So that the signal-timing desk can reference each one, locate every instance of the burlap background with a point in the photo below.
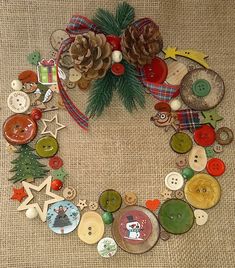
(121, 151)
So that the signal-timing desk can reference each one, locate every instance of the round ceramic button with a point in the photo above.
(174, 181)
(19, 129)
(202, 191)
(110, 200)
(156, 71)
(176, 71)
(47, 146)
(181, 143)
(18, 102)
(176, 216)
(130, 198)
(57, 37)
(204, 135)
(215, 167)
(69, 193)
(118, 69)
(224, 136)
(175, 105)
(63, 217)
(107, 217)
(16, 85)
(91, 227)
(201, 88)
(107, 247)
(56, 162)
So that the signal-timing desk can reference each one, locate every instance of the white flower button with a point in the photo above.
(18, 102)
(107, 247)
(174, 181)
(201, 216)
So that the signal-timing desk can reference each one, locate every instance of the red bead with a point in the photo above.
(56, 162)
(114, 41)
(36, 114)
(118, 69)
(56, 185)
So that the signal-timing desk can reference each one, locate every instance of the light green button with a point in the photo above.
(201, 88)
(46, 146)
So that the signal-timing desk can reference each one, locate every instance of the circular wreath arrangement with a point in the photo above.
(108, 54)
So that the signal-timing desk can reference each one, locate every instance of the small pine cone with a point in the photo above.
(91, 54)
(141, 41)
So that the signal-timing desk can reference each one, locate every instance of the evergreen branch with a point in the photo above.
(129, 88)
(101, 95)
(106, 22)
(125, 15)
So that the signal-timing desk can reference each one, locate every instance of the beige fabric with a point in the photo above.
(120, 151)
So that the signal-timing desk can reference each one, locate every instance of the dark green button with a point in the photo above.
(47, 146)
(107, 217)
(187, 173)
(176, 216)
(110, 200)
(201, 88)
(181, 143)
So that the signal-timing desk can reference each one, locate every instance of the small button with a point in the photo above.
(197, 158)
(70, 84)
(56, 162)
(69, 193)
(19, 194)
(179, 194)
(116, 56)
(18, 102)
(187, 173)
(181, 143)
(107, 247)
(174, 181)
(166, 194)
(82, 204)
(57, 37)
(34, 58)
(107, 217)
(110, 200)
(93, 205)
(181, 161)
(204, 135)
(130, 198)
(218, 148)
(118, 69)
(201, 216)
(83, 84)
(74, 75)
(47, 146)
(224, 136)
(66, 60)
(175, 104)
(209, 151)
(36, 114)
(201, 87)
(155, 72)
(164, 235)
(215, 167)
(28, 76)
(59, 174)
(16, 85)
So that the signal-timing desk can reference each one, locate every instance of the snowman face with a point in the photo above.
(132, 225)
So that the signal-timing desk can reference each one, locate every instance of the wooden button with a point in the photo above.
(204, 135)
(156, 71)
(47, 146)
(28, 77)
(181, 143)
(130, 198)
(179, 194)
(18, 102)
(176, 216)
(57, 37)
(167, 194)
(215, 167)
(201, 216)
(107, 247)
(164, 235)
(19, 129)
(176, 71)
(202, 191)
(69, 193)
(66, 60)
(93, 205)
(197, 158)
(224, 136)
(211, 97)
(181, 161)
(83, 84)
(135, 229)
(110, 200)
(70, 84)
(74, 75)
(91, 227)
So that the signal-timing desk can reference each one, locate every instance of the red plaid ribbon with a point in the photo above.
(188, 119)
(139, 24)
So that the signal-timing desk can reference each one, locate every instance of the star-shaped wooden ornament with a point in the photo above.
(42, 212)
(45, 123)
(19, 194)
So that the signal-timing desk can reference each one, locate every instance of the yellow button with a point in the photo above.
(202, 191)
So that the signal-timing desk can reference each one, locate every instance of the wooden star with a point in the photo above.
(45, 123)
(19, 194)
(42, 212)
(81, 204)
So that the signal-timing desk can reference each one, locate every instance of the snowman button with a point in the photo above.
(174, 181)
(18, 102)
(107, 247)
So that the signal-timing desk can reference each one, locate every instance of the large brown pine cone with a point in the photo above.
(91, 54)
(141, 41)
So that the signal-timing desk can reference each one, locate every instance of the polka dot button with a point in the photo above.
(107, 247)
(47, 146)
(215, 167)
(18, 102)
(201, 88)
(110, 200)
(181, 143)
(204, 135)
(174, 181)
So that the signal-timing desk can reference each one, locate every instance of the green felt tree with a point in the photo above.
(27, 165)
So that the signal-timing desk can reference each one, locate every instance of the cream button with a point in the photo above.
(175, 105)
(174, 181)
(107, 247)
(201, 216)
(16, 85)
(197, 158)
(18, 102)
(176, 72)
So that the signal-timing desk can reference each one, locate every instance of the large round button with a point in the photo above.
(204, 135)
(19, 129)
(215, 167)
(174, 181)
(107, 247)
(47, 146)
(91, 227)
(156, 71)
(135, 229)
(181, 143)
(202, 191)
(110, 200)
(176, 216)
(201, 88)
(18, 102)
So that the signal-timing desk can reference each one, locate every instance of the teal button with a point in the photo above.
(201, 88)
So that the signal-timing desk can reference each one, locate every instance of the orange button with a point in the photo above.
(215, 167)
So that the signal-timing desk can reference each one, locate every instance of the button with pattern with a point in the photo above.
(69, 193)
(18, 102)
(107, 247)
(130, 198)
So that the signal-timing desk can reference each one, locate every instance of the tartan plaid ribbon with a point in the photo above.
(78, 116)
(139, 24)
(188, 119)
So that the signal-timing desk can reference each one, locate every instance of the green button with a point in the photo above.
(187, 173)
(176, 216)
(181, 143)
(201, 88)
(107, 217)
(46, 146)
(110, 200)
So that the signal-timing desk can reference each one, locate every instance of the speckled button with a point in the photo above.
(57, 37)
(130, 198)
(107, 247)
(174, 181)
(197, 158)
(110, 200)
(176, 216)
(202, 191)
(18, 102)
(47, 146)
(176, 71)
(19, 129)
(181, 143)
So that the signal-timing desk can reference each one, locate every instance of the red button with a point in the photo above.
(28, 76)
(162, 107)
(19, 129)
(204, 135)
(114, 41)
(215, 167)
(36, 114)
(56, 162)
(118, 69)
(56, 185)
(156, 71)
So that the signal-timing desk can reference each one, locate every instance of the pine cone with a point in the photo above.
(141, 41)
(92, 55)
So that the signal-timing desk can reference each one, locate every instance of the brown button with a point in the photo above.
(181, 161)
(167, 194)
(69, 193)
(66, 60)
(179, 194)
(176, 71)
(130, 198)
(93, 205)
(57, 37)
(19, 129)
(224, 136)
(164, 235)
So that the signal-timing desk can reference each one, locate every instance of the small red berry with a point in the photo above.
(56, 185)
(36, 114)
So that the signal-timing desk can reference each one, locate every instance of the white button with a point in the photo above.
(174, 181)
(117, 56)
(175, 105)
(201, 216)
(197, 158)
(18, 102)
(107, 247)
(16, 85)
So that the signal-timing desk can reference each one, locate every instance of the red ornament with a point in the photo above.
(36, 114)
(114, 41)
(118, 69)
(56, 185)
(19, 194)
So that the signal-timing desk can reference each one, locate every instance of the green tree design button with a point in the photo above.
(47, 146)
(176, 216)
(110, 200)
(201, 88)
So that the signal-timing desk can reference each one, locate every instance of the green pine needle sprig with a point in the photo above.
(125, 15)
